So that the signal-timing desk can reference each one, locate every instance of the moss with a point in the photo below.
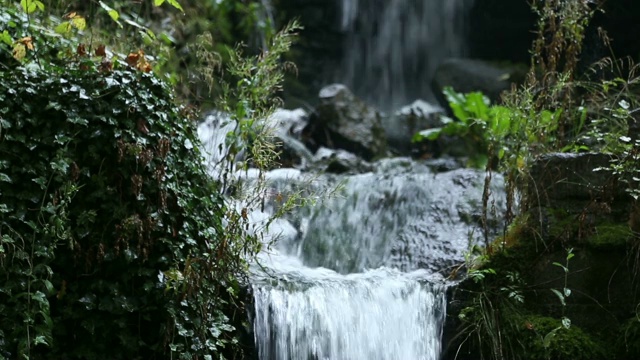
(562, 225)
(572, 343)
(517, 233)
(609, 236)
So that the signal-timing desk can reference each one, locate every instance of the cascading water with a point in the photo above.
(357, 276)
(360, 276)
(394, 46)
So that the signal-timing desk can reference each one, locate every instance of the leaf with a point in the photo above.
(624, 104)
(567, 292)
(562, 266)
(6, 38)
(5, 178)
(30, 6)
(63, 28)
(546, 342)
(27, 42)
(175, 4)
(113, 14)
(560, 296)
(19, 51)
(158, 2)
(81, 50)
(79, 22)
(100, 51)
(566, 322)
(430, 134)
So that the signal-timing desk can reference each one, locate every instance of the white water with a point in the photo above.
(356, 277)
(319, 314)
(394, 46)
(364, 307)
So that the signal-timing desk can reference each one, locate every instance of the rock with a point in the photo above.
(343, 121)
(406, 122)
(288, 125)
(466, 75)
(568, 176)
(290, 122)
(340, 162)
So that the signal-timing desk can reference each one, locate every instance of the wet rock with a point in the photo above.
(340, 162)
(290, 122)
(466, 75)
(406, 122)
(288, 125)
(343, 121)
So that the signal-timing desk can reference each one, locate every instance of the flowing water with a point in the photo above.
(394, 46)
(360, 275)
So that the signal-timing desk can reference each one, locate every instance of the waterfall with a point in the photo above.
(377, 315)
(359, 276)
(394, 46)
(356, 277)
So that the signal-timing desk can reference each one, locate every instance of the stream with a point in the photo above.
(360, 274)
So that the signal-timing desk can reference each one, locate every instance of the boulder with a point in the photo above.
(340, 162)
(406, 122)
(557, 177)
(466, 75)
(342, 121)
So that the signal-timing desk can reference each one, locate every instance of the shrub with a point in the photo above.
(111, 236)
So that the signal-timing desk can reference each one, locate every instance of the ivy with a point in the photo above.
(111, 235)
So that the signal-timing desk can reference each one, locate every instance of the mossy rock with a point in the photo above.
(609, 237)
(571, 343)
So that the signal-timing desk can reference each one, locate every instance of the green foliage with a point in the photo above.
(628, 339)
(112, 237)
(494, 299)
(566, 342)
(114, 240)
(610, 236)
(503, 132)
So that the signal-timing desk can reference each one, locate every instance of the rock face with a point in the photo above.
(465, 75)
(566, 176)
(342, 121)
(568, 206)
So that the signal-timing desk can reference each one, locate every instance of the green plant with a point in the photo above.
(533, 332)
(562, 297)
(114, 240)
(494, 300)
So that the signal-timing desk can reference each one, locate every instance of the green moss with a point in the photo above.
(609, 236)
(562, 226)
(572, 343)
